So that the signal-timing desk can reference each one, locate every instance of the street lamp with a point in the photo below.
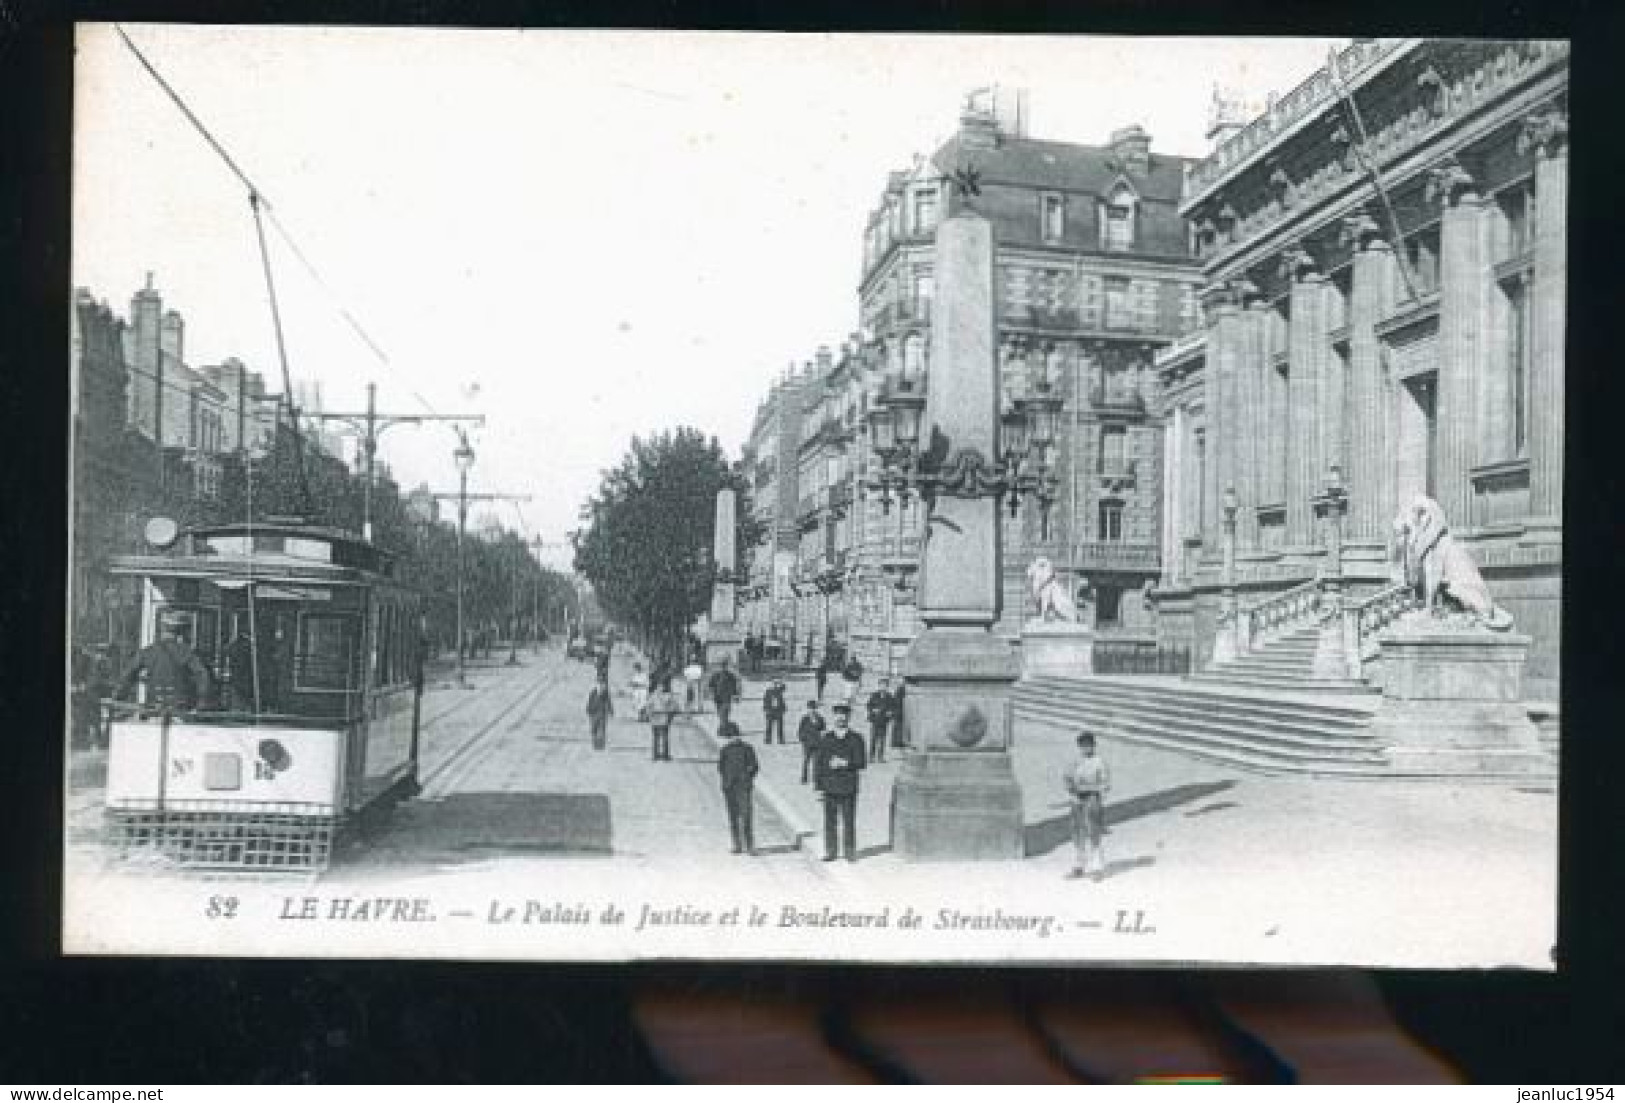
(1027, 428)
(463, 455)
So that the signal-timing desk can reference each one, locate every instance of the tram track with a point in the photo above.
(434, 782)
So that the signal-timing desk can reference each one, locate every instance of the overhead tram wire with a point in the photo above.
(269, 210)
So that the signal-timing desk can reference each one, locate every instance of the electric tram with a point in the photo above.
(311, 715)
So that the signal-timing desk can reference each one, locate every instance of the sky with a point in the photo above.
(581, 235)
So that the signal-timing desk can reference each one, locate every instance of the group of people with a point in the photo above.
(834, 755)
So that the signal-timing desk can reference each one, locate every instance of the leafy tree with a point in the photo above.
(646, 545)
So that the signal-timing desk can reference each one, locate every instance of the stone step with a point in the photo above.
(1289, 743)
(1323, 730)
(1299, 684)
(1220, 698)
(1229, 748)
(1267, 662)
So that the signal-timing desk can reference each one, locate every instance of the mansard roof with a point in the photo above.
(1063, 166)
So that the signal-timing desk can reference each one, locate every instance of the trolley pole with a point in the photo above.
(369, 425)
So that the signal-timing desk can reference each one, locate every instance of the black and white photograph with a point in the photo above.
(571, 495)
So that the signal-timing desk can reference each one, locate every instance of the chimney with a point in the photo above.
(1131, 145)
(146, 395)
(1224, 116)
(1010, 111)
(171, 334)
(824, 361)
(978, 120)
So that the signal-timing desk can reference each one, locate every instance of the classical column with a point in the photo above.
(1173, 495)
(1464, 289)
(1370, 469)
(1547, 132)
(957, 797)
(1253, 482)
(1224, 331)
(1278, 403)
(1306, 345)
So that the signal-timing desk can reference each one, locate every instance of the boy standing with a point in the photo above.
(1087, 781)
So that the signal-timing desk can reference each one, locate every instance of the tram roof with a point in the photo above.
(346, 557)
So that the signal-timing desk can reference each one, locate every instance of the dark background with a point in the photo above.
(196, 1021)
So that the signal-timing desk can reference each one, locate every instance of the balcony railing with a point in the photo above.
(1113, 555)
(1117, 474)
(1117, 398)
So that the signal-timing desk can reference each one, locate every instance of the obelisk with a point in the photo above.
(722, 638)
(957, 797)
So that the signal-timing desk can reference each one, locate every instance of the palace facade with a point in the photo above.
(1384, 256)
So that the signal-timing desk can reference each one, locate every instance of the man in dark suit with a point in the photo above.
(809, 733)
(176, 677)
(773, 710)
(724, 691)
(840, 759)
(880, 715)
(737, 765)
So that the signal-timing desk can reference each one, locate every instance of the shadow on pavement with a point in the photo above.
(1047, 835)
(474, 826)
(1123, 865)
(1218, 806)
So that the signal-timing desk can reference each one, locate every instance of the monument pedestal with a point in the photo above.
(957, 806)
(958, 799)
(723, 643)
(1057, 649)
(1452, 701)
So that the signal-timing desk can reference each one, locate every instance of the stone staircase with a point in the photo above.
(1309, 657)
(1267, 729)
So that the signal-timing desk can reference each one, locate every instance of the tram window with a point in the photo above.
(389, 662)
(326, 652)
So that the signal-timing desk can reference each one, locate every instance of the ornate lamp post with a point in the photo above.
(1229, 640)
(463, 455)
(957, 797)
(1331, 506)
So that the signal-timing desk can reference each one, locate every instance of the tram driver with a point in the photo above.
(176, 677)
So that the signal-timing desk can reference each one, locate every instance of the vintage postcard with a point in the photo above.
(568, 495)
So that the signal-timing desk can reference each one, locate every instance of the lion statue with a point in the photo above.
(1440, 567)
(1049, 596)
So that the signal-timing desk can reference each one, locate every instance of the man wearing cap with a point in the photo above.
(773, 709)
(736, 762)
(176, 677)
(840, 758)
(809, 732)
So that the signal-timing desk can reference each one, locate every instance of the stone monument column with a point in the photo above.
(1464, 288)
(1306, 470)
(1547, 132)
(1370, 459)
(957, 797)
(723, 638)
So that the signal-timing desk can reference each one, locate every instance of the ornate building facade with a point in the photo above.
(1384, 256)
(768, 603)
(1094, 273)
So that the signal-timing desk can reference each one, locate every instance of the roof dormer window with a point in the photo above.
(1118, 216)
